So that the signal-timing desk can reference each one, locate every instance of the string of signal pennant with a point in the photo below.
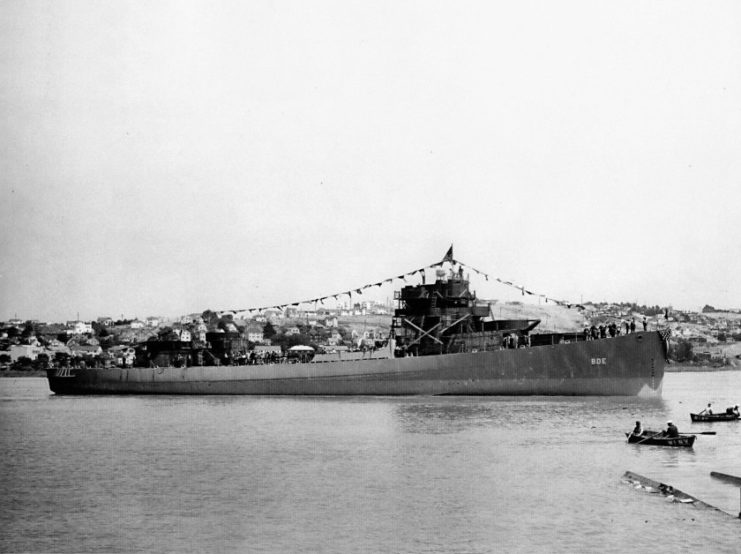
(448, 258)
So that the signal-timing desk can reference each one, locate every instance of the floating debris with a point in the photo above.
(671, 494)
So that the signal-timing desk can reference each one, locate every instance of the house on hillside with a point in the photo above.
(79, 328)
(254, 333)
(273, 313)
(86, 350)
(183, 334)
(267, 349)
(199, 330)
(152, 321)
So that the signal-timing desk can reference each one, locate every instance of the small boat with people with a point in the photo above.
(714, 417)
(706, 415)
(669, 437)
(659, 439)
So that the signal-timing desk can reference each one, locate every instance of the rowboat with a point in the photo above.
(655, 438)
(714, 417)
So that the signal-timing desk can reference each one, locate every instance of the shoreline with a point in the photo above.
(15, 373)
(678, 368)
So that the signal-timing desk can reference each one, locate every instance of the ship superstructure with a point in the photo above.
(444, 317)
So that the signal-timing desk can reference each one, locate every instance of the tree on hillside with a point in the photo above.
(707, 309)
(682, 352)
(210, 318)
(24, 363)
(28, 330)
(268, 331)
(100, 330)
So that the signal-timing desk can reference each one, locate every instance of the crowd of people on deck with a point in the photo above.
(613, 329)
(514, 340)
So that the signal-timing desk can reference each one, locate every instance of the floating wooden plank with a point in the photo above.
(668, 491)
(732, 479)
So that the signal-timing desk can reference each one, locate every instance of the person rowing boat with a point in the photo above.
(671, 430)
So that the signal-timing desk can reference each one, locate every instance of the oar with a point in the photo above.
(703, 433)
(649, 437)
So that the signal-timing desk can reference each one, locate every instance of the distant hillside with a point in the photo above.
(552, 317)
(730, 316)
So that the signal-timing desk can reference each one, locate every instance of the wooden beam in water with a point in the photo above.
(732, 479)
(668, 490)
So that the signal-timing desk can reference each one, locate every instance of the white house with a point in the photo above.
(199, 330)
(254, 333)
(183, 334)
(80, 327)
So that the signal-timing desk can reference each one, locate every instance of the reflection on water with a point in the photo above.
(425, 474)
(446, 415)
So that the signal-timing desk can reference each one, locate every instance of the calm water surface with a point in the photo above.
(259, 474)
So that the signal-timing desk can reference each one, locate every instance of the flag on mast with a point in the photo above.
(449, 255)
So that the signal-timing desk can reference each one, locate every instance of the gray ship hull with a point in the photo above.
(629, 365)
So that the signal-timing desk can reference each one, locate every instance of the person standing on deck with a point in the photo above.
(645, 324)
(633, 325)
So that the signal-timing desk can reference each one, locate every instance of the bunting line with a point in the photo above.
(448, 258)
(523, 290)
(335, 296)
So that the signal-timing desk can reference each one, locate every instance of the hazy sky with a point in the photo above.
(162, 158)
